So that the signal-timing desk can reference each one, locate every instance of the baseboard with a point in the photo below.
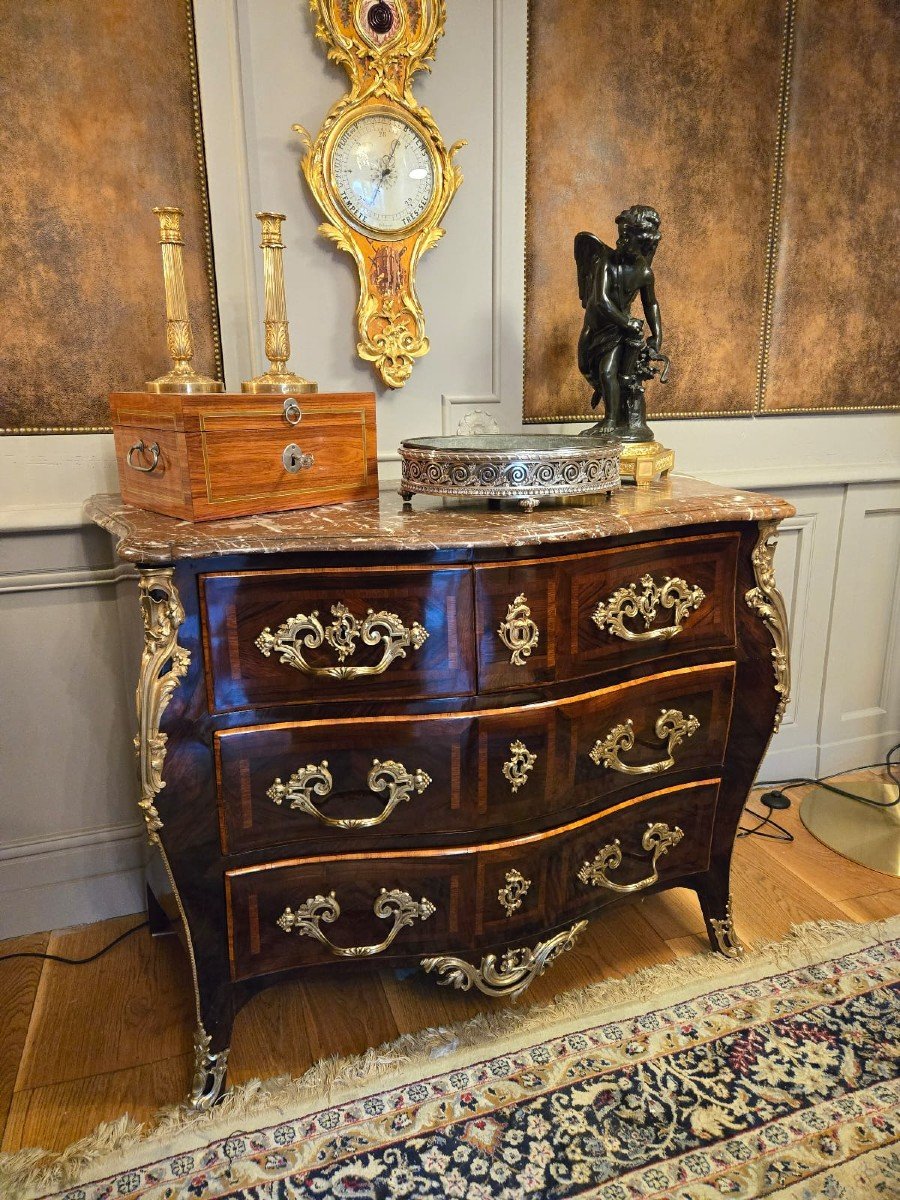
(71, 880)
(856, 752)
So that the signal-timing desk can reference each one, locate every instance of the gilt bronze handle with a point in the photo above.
(400, 906)
(388, 776)
(658, 839)
(303, 632)
(676, 594)
(672, 727)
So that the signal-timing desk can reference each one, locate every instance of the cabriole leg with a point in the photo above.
(211, 1061)
(715, 903)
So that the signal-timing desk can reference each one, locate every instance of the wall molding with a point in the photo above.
(72, 879)
(55, 580)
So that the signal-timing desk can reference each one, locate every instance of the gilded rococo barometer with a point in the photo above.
(379, 169)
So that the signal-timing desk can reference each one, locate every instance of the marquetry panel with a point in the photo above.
(237, 607)
(563, 595)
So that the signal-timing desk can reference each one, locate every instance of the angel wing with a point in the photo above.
(588, 249)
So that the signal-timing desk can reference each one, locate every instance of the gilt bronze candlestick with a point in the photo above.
(278, 344)
(179, 335)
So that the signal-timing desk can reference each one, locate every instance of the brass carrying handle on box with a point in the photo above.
(152, 450)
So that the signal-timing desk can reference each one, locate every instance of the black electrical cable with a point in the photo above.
(76, 962)
(799, 781)
(778, 799)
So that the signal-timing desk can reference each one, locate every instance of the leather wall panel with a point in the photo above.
(759, 130)
(99, 125)
(835, 308)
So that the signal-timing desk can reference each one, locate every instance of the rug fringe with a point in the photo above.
(32, 1170)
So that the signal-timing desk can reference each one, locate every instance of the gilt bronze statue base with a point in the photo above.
(643, 462)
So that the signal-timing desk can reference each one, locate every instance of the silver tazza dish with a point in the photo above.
(523, 467)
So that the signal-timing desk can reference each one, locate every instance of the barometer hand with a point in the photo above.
(387, 163)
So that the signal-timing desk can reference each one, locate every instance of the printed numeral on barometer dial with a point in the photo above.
(383, 173)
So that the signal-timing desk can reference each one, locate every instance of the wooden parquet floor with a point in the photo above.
(79, 1045)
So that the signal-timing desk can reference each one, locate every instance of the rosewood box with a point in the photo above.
(204, 457)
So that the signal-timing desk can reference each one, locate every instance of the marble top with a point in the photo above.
(429, 522)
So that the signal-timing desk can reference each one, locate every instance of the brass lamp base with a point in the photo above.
(174, 382)
(865, 835)
(285, 382)
(644, 461)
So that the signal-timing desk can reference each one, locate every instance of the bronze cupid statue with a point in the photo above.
(613, 354)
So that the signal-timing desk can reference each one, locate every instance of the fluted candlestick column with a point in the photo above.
(278, 344)
(179, 335)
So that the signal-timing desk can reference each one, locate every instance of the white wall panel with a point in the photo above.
(71, 845)
(804, 570)
(861, 702)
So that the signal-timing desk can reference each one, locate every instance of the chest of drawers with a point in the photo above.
(444, 737)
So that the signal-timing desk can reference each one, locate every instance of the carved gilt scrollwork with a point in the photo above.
(727, 940)
(304, 632)
(672, 727)
(163, 665)
(514, 891)
(766, 600)
(518, 632)
(306, 921)
(517, 767)
(390, 777)
(658, 839)
(627, 602)
(514, 972)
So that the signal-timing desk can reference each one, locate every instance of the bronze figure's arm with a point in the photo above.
(651, 312)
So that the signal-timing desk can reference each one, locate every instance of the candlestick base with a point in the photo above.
(285, 382)
(184, 382)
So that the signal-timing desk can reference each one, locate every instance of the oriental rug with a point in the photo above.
(703, 1078)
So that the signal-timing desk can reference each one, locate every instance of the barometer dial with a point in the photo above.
(382, 173)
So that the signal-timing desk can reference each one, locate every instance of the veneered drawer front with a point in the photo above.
(382, 906)
(347, 783)
(567, 618)
(284, 637)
